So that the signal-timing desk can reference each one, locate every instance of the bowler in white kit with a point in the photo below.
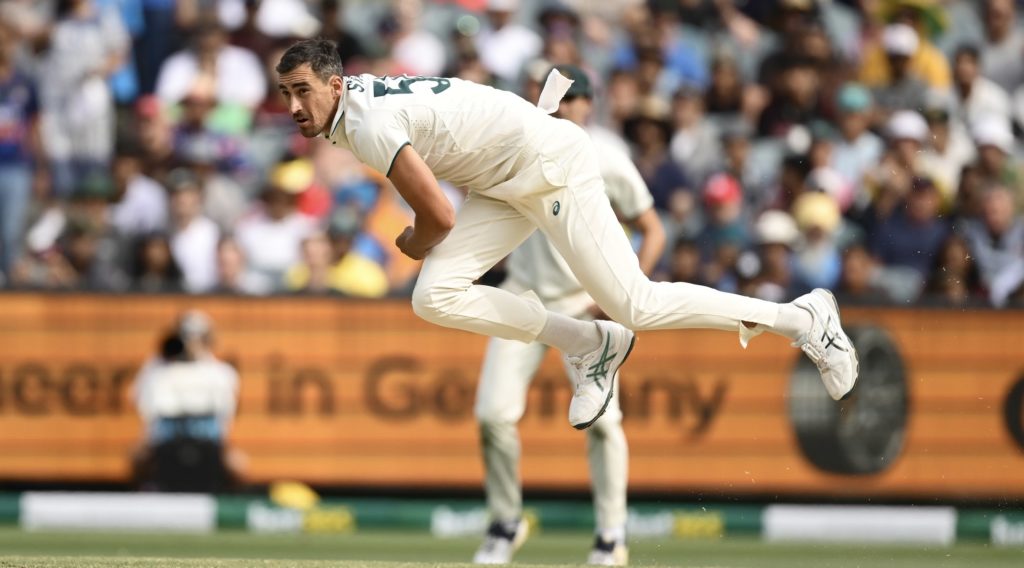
(525, 170)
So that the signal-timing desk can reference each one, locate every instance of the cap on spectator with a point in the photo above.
(293, 177)
(854, 97)
(722, 189)
(581, 86)
(994, 131)
(776, 227)
(815, 210)
(907, 125)
(651, 109)
(148, 106)
(95, 185)
(899, 39)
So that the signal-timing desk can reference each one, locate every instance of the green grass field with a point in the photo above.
(414, 550)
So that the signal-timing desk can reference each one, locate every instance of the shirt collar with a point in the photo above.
(338, 115)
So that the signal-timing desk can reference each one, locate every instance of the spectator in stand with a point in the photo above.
(415, 50)
(685, 262)
(796, 99)
(505, 45)
(695, 140)
(996, 163)
(978, 96)
(156, 136)
(193, 236)
(139, 205)
(913, 235)
(350, 47)
(906, 35)
(92, 248)
(154, 270)
(236, 73)
(726, 96)
(857, 149)
(330, 264)
(86, 45)
(271, 237)
(950, 149)
(858, 283)
(740, 161)
(996, 241)
(954, 279)
(233, 276)
(224, 200)
(725, 234)
(817, 261)
(19, 146)
(900, 87)
(775, 234)
(650, 133)
(1004, 44)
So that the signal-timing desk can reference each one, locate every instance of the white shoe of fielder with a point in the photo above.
(827, 345)
(593, 374)
(608, 553)
(501, 542)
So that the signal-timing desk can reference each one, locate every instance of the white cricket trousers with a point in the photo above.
(509, 367)
(559, 190)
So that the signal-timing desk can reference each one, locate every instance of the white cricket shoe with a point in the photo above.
(608, 553)
(501, 542)
(593, 374)
(827, 345)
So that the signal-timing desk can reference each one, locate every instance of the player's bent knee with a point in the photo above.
(429, 301)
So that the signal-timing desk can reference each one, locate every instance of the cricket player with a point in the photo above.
(510, 365)
(525, 170)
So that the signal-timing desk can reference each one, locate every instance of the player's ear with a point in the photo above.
(336, 85)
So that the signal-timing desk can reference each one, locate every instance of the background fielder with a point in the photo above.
(509, 366)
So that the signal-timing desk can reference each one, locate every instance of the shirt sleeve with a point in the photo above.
(378, 138)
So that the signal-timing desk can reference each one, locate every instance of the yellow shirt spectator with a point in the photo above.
(926, 61)
(354, 275)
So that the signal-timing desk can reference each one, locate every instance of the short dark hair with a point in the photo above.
(321, 55)
(968, 50)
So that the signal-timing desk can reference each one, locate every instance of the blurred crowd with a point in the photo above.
(868, 146)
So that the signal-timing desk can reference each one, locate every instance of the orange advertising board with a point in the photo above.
(347, 393)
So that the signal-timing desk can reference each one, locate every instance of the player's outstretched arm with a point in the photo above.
(652, 243)
(435, 215)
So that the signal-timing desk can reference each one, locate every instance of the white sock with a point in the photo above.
(569, 335)
(792, 322)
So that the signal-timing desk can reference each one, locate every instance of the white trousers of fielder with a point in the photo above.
(509, 367)
(557, 189)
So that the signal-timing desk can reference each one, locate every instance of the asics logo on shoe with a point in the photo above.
(830, 340)
(599, 370)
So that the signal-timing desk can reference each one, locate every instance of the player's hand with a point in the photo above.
(407, 244)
